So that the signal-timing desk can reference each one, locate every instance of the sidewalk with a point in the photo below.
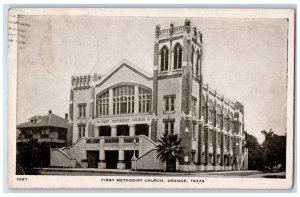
(95, 171)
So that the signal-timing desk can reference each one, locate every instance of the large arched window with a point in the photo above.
(123, 99)
(197, 63)
(164, 59)
(102, 106)
(177, 56)
(144, 100)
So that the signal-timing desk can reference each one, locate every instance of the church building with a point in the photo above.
(115, 119)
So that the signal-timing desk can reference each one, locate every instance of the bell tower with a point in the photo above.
(177, 66)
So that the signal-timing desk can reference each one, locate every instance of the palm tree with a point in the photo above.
(169, 150)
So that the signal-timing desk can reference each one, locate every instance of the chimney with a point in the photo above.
(50, 111)
(66, 116)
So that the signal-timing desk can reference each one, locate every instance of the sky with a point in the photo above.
(245, 59)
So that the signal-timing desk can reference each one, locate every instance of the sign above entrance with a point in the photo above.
(123, 120)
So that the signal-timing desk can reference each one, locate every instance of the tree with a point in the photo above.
(274, 147)
(169, 150)
(32, 155)
(28, 157)
(255, 152)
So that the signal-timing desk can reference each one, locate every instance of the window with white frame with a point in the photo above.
(81, 130)
(192, 59)
(194, 104)
(218, 139)
(45, 133)
(226, 123)
(103, 104)
(28, 134)
(198, 64)
(164, 59)
(177, 56)
(210, 116)
(144, 100)
(82, 110)
(210, 137)
(123, 99)
(219, 119)
(194, 131)
(169, 101)
(204, 112)
(169, 126)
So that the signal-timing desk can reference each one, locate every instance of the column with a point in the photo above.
(86, 133)
(110, 101)
(131, 130)
(186, 98)
(102, 163)
(155, 85)
(222, 148)
(228, 150)
(113, 130)
(121, 160)
(149, 130)
(234, 151)
(215, 147)
(70, 123)
(91, 110)
(96, 131)
(84, 162)
(200, 143)
(206, 162)
(214, 119)
(136, 99)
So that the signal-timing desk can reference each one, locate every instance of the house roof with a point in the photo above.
(50, 120)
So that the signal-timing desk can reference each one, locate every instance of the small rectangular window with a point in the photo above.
(82, 110)
(81, 130)
(169, 101)
(194, 131)
(219, 139)
(194, 103)
(169, 126)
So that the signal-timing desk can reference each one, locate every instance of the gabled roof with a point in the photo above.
(50, 120)
(125, 63)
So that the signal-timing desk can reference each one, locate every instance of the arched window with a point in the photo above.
(177, 56)
(103, 102)
(192, 59)
(197, 64)
(226, 120)
(219, 117)
(164, 59)
(123, 99)
(144, 100)
(231, 122)
(203, 108)
(211, 112)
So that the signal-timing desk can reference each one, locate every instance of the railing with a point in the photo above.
(178, 29)
(40, 140)
(131, 139)
(93, 141)
(111, 140)
(163, 32)
(174, 30)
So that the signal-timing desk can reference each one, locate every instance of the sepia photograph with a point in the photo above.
(151, 98)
